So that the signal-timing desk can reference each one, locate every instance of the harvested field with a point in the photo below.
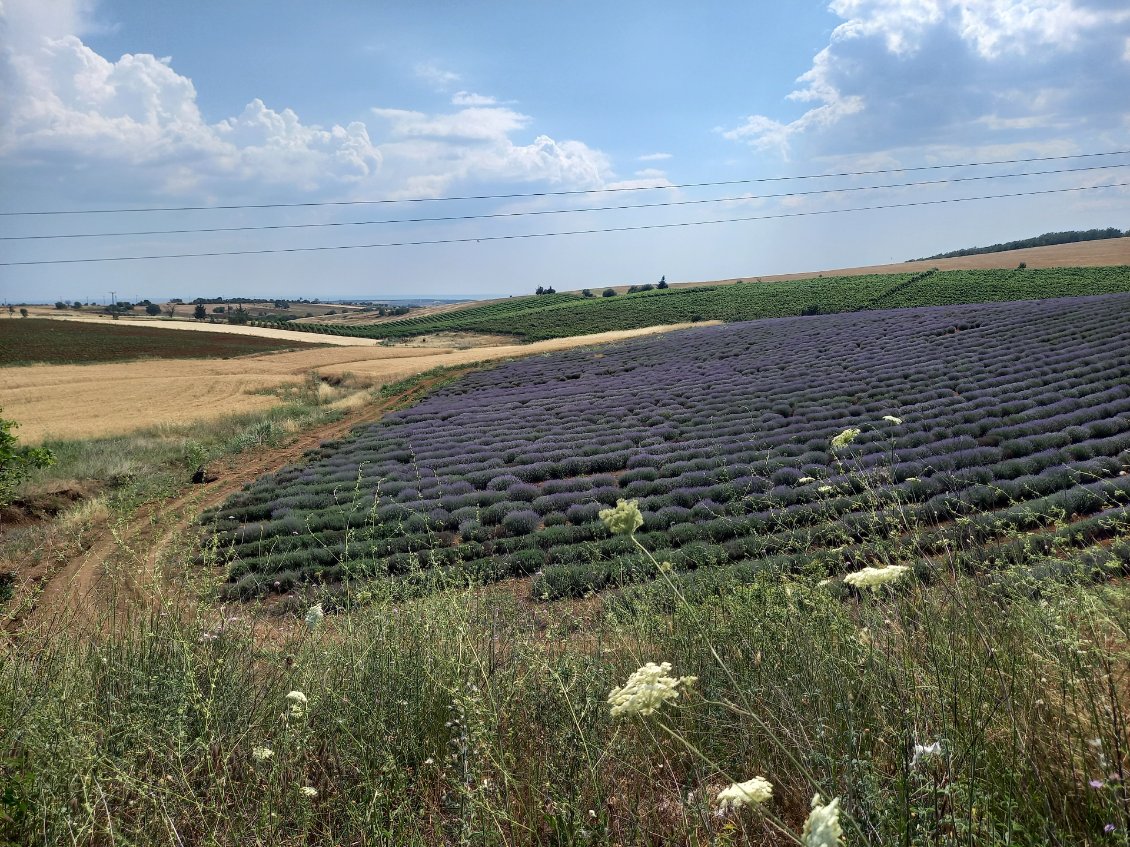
(193, 326)
(36, 341)
(81, 401)
(1086, 254)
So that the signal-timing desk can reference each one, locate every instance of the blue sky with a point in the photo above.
(141, 104)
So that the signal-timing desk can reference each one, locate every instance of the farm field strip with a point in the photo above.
(1018, 410)
(184, 325)
(26, 341)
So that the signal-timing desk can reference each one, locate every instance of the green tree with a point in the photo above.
(59, 304)
(200, 313)
(23, 312)
(662, 282)
(608, 292)
(16, 463)
(152, 309)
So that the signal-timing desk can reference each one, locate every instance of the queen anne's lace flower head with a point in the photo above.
(309, 791)
(892, 419)
(822, 829)
(874, 578)
(624, 518)
(926, 752)
(314, 615)
(646, 690)
(262, 754)
(297, 703)
(845, 438)
(756, 790)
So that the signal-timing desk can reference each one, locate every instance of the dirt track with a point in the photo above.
(123, 572)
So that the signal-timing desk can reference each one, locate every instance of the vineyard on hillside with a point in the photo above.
(559, 315)
(976, 423)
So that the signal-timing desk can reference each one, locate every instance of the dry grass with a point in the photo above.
(85, 401)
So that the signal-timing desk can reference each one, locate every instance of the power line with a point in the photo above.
(577, 192)
(516, 237)
(532, 213)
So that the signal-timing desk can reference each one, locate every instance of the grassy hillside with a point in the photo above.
(560, 315)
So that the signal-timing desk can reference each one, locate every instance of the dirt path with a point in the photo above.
(122, 573)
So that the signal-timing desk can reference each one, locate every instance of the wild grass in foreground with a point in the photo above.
(956, 713)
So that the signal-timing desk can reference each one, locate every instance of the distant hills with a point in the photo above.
(1045, 240)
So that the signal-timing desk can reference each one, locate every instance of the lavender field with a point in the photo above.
(989, 435)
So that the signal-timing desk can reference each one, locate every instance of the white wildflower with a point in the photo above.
(314, 615)
(262, 754)
(804, 480)
(873, 578)
(926, 751)
(892, 419)
(825, 489)
(309, 791)
(297, 701)
(646, 690)
(624, 518)
(822, 829)
(756, 790)
(845, 438)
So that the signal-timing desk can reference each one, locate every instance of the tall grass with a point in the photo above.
(466, 718)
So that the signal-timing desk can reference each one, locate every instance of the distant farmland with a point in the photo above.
(561, 315)
(25, 341)
(989, 435)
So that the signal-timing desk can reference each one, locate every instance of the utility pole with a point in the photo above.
(113, 300)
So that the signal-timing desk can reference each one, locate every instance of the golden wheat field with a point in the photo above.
(82, 401)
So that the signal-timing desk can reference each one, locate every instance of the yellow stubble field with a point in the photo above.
(82, 401)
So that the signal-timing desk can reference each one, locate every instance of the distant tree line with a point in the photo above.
(1045, 240)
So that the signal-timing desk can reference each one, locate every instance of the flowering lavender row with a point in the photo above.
(723, 434)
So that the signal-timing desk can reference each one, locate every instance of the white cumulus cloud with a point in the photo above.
(469, 98)
(133, 127)
(894, 69)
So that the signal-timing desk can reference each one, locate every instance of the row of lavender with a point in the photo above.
(723, 434)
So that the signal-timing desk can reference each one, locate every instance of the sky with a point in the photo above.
(356, 124)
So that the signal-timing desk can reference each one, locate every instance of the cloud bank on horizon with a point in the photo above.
(899, 83)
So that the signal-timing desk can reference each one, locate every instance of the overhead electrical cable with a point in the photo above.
(532, 194)
(536, 212)
(519, 236)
